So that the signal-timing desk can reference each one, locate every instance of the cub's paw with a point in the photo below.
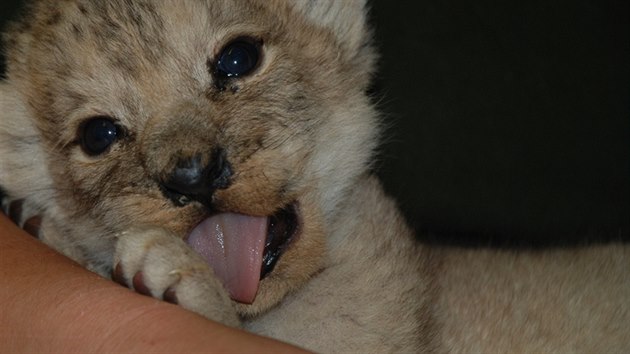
(22, 213)
(156, 263)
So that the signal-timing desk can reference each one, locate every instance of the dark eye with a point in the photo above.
(98, 134)
(238, 58)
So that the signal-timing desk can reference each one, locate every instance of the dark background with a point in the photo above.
(509, 121)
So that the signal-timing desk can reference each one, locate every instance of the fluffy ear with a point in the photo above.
(23, 169)
(346, 18)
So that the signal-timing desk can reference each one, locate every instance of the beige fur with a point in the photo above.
(299, 129)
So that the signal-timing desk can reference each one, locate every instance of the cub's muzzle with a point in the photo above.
(196, 178)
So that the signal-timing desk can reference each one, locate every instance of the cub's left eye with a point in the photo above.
(240, 57)
(98, 134)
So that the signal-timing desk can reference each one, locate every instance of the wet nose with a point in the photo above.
(192, 179)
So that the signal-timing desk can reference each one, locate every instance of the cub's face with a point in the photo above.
(173, 113)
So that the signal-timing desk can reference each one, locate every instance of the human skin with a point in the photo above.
(48, 303)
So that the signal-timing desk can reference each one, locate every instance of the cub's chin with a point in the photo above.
(293, 253)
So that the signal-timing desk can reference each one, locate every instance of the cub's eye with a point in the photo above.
(98, 134)
(240, 57)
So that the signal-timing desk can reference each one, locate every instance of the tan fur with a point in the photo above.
(299, 129)
(566, 301)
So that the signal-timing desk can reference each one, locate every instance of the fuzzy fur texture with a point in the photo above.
(298, 130)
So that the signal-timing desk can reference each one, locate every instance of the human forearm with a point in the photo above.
(49, 303)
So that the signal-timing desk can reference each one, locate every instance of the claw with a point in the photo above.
(139, 286)
(170, 296)
(15, 211)
(118, 276)
(32, 225)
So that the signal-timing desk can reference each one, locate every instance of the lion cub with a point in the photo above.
(216, 154)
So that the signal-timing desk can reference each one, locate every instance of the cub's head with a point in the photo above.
(237, 125)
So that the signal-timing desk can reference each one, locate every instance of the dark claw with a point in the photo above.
(139, 286)
(170, 296)
(15, 211)
(118, 276)
(33, 225)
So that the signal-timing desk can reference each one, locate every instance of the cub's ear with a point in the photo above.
(346, 18)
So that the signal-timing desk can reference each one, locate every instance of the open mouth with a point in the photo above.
(281, 228)
(243, 249)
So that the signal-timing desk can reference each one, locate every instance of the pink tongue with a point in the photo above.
(233, 245)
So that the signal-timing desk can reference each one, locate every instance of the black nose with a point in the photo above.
(192, 179)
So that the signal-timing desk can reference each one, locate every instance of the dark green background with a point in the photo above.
(509, 121)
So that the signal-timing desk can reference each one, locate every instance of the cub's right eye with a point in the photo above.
(97, 135)
(239, 58)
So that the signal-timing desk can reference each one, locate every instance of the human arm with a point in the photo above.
(50, 304)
